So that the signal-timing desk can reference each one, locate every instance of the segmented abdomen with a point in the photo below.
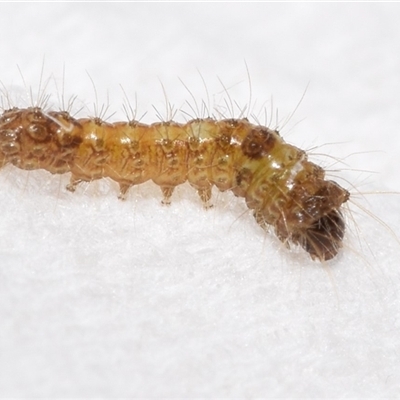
(276, 179)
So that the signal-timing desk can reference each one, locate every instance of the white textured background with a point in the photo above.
(104, 298)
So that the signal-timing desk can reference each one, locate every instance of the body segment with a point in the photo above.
(283, 188)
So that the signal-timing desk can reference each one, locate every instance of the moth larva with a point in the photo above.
(280, 185)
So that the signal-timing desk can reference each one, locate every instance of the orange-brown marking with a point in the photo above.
(285, 190)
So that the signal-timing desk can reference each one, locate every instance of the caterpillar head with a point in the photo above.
(323, 239)
(315, 221)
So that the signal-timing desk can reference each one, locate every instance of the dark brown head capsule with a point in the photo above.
(322, 223)
(323, 239)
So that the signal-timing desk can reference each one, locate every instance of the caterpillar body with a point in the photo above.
(279, 184)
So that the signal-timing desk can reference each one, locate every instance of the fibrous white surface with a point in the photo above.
(100, 297)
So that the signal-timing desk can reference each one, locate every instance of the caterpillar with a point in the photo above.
(280, 185)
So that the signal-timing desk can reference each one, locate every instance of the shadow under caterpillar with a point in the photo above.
(280, 185)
